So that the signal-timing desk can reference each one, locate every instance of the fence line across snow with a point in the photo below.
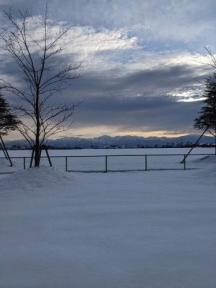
(111, 162)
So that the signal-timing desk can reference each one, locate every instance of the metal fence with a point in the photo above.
(111, 163)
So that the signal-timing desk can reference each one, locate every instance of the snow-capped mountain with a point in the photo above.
(117, 142)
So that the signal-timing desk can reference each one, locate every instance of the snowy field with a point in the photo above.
(118, 159)
(116, 230)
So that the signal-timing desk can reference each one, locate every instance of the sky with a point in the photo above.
(143, 63)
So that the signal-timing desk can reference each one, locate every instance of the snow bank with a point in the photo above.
(35, 178)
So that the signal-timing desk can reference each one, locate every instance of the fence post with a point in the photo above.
(146, 163)
(66, 163)
(106, 163)
(24, 163)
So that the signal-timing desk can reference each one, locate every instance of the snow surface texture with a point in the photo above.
(116, 230)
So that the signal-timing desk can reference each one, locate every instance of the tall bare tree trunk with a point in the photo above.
(215, 141)
(37, 135)
(37, 150)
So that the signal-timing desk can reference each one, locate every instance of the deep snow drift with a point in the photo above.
(42, 179)
(122, 230)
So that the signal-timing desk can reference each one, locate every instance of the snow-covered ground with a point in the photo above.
(116, 230)
(118, 159)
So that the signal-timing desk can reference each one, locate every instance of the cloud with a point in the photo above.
(138, 113)
(173, 20)
(137, 102)
(139, 59)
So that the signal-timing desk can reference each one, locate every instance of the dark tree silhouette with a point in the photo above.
(44, 74)
(207, 114)
(8, 121)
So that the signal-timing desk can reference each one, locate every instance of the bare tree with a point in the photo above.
(38, 58)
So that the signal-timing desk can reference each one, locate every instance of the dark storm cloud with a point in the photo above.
(149, 81)
(114, 102)
(165, 78)
(137, 113)
(169, 76)
(110, 96)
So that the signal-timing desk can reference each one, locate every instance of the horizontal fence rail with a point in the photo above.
(110, 163)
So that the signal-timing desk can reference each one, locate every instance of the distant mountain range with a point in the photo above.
(104, 142)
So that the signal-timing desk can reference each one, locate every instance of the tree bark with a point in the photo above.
(215, 141)
(37, 135)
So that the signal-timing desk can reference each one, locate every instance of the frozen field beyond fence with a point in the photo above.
(103, 160)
